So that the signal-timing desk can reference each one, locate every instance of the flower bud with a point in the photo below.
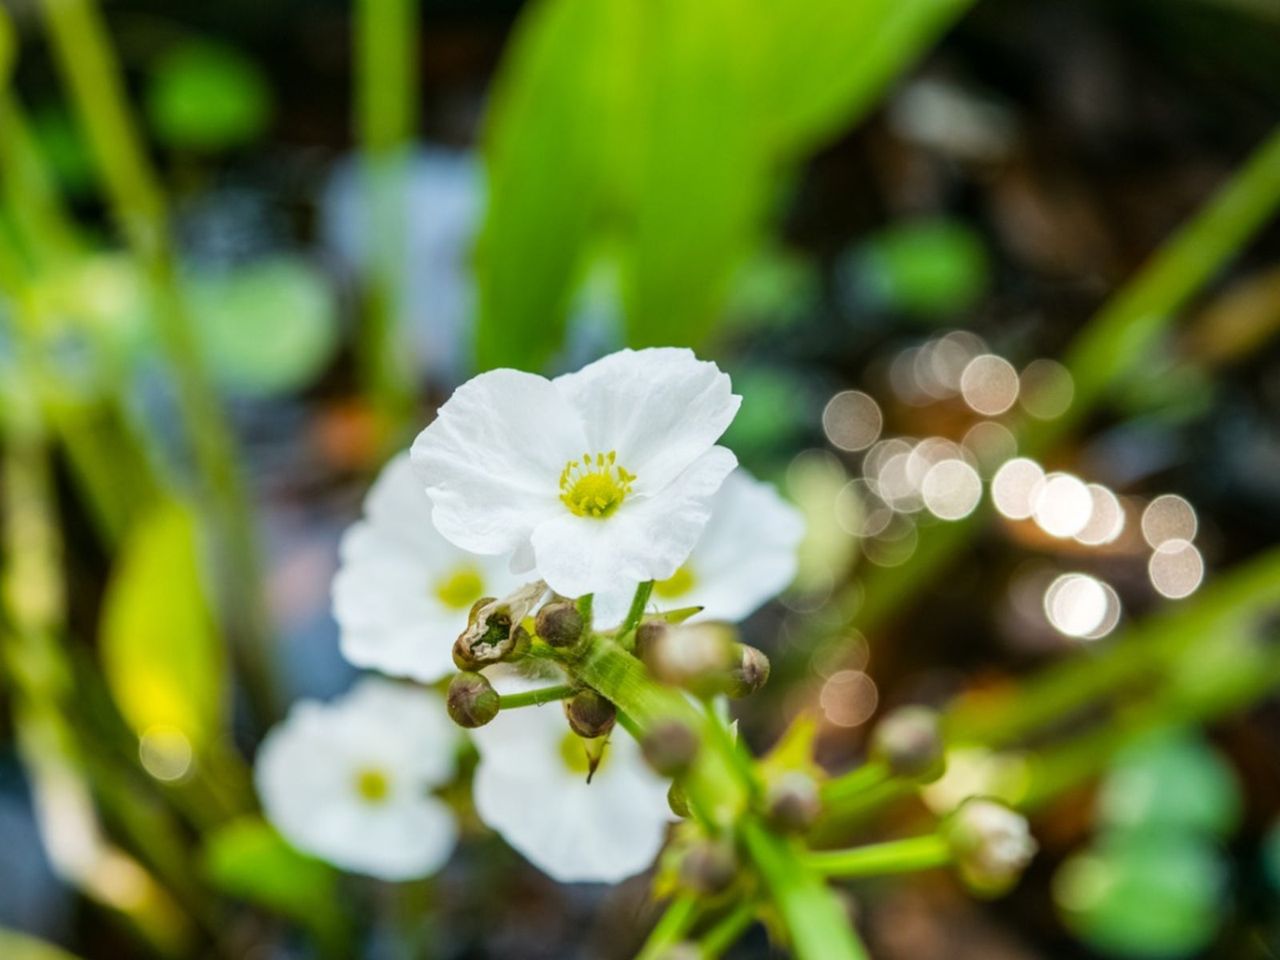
(698, 657)
(751, 673)
(991, 845)
(560, 623)
(909, 742)
(493, 630)
(677, 800)
(669, 747)
(708, 867)
(648, 634)
(793, 802)
(590, 715)
(471, 701)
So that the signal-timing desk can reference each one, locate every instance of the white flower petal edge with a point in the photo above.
(575, 832)
(402, 592)
(348, 781)
(596, 478)
(747, 555)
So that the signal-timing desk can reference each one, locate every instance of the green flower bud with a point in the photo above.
(708, 867)
(560, 623)
(677, 800)
(991, 845)
(669, 747)
(750, 674)
(698, 657)
(909, 742)
(793, 802)
(590, 715)
(648, 635)
(471, 701)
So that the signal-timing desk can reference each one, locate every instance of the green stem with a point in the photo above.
(727, 930)
(93, 75)
(866, 777)
(536, 698)
(672, 927)
(638, 602)
(897, 856)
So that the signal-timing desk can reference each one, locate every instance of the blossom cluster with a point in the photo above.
(586, 485)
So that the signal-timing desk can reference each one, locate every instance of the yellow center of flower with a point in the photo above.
(459, 588)
(573, 751)
(372, 785)
(676, 585)
(595, 486)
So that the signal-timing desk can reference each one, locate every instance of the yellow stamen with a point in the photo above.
(676, 585)
(459, 588)
(595, 487)
(373, 785)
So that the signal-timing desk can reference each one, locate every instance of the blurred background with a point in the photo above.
(999, 283)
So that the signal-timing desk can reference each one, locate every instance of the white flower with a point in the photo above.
(531, 787)
(747, 556)
(349, 781)
(402, 593)
(594, 479)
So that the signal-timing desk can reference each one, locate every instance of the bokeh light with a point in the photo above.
(1015, 486)
(1106, 518)
(852, 420)
(989, 384)
(1176, 569)
(1063, 505)
(951, 489)
(1168, 517)
(1081, 606)
(1046, 389)
(848, 698)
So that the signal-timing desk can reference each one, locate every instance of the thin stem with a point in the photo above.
(638, 602)
(897, 856)
(727, 930)
(866, 777)
(93, 75)
(536, 698)
(672, 927)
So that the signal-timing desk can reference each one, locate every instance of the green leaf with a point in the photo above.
(267, 328)
(161, 655)
(8, 48)
(248, 860)
(929, 267)
(19, 946)
(204, 96)
(551, 142)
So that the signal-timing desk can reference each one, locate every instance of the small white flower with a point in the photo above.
(402, 593)
(531, 787)
(349, 781)
(593, 480)
(747, 556)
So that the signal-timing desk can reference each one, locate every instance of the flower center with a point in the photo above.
(573, 752)
(459, 588)
(595, 486)
(676, 585)
(372, 785)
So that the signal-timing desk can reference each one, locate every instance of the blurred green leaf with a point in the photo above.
(160, 652)
(1157, 897)
(267, 327)
(927, 267)
(20, 946)
(8, 48)
(204, 96)
(248, 860)
(1171, 782)
(63, 145)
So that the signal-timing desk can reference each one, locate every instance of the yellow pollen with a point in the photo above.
(459, 588)
(676, 585)
(595, 486)
(372, 785)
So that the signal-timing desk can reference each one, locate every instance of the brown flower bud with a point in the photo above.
(559, 623)
(750, 674)
(471, 701)
(590, 715)
(991, 845)
(648, 635)
(669, 747)
(677, 800)
(708, 867)
(793, 802)
(493, 630)
(909, 742)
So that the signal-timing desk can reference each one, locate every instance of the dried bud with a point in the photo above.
(909, 741)
(471, 701)
(750, 675)
(669, 747)
(698, 657)
(677, 800)
(708, 867)
(991, 845)
(590, 715)
(493, 630)
(793, 802)
(559, 623)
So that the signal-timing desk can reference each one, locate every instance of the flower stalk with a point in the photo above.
(896, 856)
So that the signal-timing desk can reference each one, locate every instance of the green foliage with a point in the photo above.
(932, 268)
(160, 653)
(248, 860)
(19, 946)
(653, 130)
(207, 97)
(8, 48)
(268, 327)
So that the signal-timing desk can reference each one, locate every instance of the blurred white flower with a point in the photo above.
(747, 556)
(402, 592)
(531, 787)
(349, 781)
(595, 479)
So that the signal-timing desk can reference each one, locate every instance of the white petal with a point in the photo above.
(660, 409)
(647, 539)
(491, 461)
